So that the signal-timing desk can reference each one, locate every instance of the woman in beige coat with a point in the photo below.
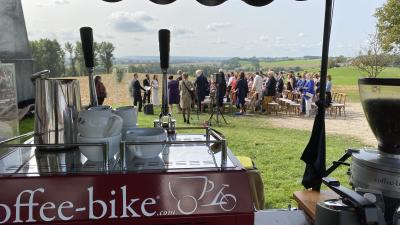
(186, 89)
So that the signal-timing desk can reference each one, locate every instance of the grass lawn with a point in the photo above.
(303, 63)
(275, 151)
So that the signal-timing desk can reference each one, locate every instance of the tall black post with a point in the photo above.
(314, 154)
(325, 51)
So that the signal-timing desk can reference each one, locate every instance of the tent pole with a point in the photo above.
(325, 51)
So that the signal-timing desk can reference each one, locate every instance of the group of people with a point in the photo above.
(259, 89)
(150, 89)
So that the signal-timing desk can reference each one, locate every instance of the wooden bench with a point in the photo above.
(307, 200)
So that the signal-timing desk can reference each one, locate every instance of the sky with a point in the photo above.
(233, 29)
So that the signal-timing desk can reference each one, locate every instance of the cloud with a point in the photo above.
(181, 32)
(311, 45)
(219, 42)
(62, 35)
(52, 2)
(264, 38)
(61, 2)
(138, 39)
(103, 36)
(68, 35)
(218, 25)
(131, 22)
(301, 34)
(42, 4)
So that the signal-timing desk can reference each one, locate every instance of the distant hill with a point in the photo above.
(203, 59)
(173, 59)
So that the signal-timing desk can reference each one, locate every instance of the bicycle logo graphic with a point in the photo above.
(188, 202)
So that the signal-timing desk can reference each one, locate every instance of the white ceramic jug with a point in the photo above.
(128, 115)
(99, 122)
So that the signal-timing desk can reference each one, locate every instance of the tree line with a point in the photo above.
(154, 68)
(67, 59)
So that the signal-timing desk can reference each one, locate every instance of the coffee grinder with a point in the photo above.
(379, 169)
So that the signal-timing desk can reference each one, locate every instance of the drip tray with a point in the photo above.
(28, 161)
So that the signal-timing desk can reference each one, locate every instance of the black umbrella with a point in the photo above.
(257, 3)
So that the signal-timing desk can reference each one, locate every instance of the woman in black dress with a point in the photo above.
(242, 89)
(100, 90)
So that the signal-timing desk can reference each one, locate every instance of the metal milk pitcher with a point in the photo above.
(57, 105)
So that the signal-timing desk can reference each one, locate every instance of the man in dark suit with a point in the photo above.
(279, 85)
(201, 85)
(270, 91)
(136, 92)
(147, 94)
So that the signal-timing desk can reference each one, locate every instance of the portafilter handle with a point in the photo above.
(368, 213)
(88, 54)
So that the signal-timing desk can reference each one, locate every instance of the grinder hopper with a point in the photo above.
(381, 102)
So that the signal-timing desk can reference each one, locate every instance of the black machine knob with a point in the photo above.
(87, 46)
(164, 37)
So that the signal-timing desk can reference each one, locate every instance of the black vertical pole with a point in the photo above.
(314, 154)
(325, 53)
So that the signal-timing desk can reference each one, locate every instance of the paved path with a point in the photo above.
(354, 124)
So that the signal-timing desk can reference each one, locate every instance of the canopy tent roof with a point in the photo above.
(257, 3)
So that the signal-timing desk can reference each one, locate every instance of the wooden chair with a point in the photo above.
(339, 105)
(335, 97)
(274, 107)
(295, 104)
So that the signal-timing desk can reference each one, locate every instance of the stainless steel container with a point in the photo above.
(57, 105)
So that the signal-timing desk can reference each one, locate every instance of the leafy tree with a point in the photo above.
(388, 25)
(80, 60)
(48, 54)
(255, 63)
(119, 74)
(341, 59)
(105, 53)
(70, 49)
(231, 64)
(372, 60)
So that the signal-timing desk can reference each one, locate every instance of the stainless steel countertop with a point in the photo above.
(28, 161)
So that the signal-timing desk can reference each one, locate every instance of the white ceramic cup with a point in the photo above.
(146, 135)
(99, 123)
(128, 114)
(126, 129)
(101, 107)
(95, 153)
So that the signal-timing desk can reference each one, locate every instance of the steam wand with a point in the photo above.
(88, 54)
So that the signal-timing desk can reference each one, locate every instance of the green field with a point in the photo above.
(303, 63)
(275, 151)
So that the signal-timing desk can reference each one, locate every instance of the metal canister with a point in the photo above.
(57, 105)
